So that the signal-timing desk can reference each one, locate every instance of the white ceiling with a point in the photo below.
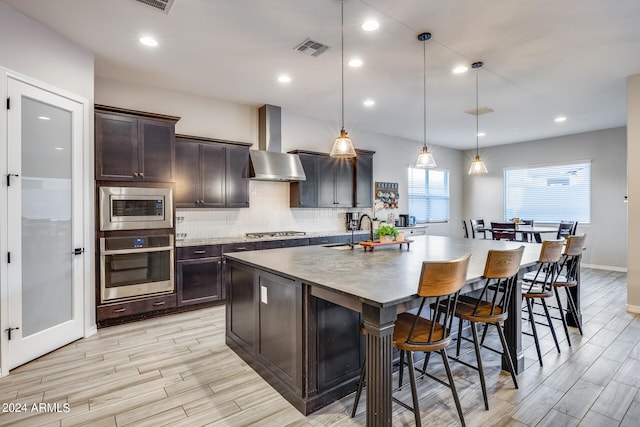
(542, 59)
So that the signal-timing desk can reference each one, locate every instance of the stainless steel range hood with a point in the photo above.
(269, 163)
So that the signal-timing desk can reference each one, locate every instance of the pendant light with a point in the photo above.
(477, 166)
(425, 158)
(343, 147)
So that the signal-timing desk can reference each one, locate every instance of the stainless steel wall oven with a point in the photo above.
(136, 266)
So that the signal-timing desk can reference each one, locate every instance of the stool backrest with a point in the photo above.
(465, 230)
(548, 266)
(501, 274)
(575, 245)
(440, 284)
(475, 225)
(503, 230)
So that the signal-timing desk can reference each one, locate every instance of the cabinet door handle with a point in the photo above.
(141, 175)
(159, 303)
(135, 174)
(119, 310)
(202, 202)
(199, 252)
(197, 202)
(242, 248)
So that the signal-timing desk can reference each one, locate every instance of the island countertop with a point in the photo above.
(388, 276)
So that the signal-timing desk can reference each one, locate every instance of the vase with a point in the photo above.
(386, 239)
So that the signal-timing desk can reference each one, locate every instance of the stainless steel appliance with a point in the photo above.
(135, 266)
(262, 234)
(353, 219)
(403, 220)
(135, 208)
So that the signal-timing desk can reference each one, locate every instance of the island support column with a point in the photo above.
(379, 323)
(513, 328)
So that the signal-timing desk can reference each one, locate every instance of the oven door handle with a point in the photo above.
(136, 250)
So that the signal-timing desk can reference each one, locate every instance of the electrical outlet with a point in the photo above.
(263, 294)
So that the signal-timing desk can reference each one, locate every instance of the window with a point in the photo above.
(429, 194)
(549, 193)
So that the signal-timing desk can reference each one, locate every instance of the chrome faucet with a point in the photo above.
(370, 225)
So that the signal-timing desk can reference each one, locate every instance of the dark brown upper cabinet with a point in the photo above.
(333, 183)
(134, 145)
(211, 173)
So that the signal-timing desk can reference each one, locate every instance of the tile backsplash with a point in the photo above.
(269, 211)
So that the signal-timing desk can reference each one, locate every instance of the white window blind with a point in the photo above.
(428, 194)
(549, 193)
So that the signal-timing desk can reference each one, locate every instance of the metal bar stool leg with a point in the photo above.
(562, 317)
(359, 391)
(553, 331)
(445, 360)
(476, 345)
(459, 341)
(532, 322)
(573, 309)
(414, 390)
(401, 370)
(425, 363)
(507, 354)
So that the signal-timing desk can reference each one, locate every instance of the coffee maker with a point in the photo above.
(353, 220)
(403, 220)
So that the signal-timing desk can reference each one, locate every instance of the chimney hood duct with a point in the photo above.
(269, 163)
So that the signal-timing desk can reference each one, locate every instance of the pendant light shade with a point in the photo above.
(477, 166)
(425, 158)
(342, 147)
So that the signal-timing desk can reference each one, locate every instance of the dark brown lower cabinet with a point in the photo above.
(199, 274)
(308, 349)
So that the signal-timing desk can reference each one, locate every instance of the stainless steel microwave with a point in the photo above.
(135, 208)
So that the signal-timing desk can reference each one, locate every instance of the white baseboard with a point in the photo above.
(633, 308)
(91, 330)
(605, 267)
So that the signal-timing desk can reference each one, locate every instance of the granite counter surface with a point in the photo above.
(386, 276)
(244, 239)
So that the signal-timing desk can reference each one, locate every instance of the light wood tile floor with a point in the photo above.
(177, 371)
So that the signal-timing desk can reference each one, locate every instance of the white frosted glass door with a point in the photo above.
(45, 277)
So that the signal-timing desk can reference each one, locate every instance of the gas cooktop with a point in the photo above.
(258, 235)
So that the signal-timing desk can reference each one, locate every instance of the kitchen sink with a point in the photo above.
(343, 246)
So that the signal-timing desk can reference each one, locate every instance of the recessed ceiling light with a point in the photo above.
(355, 62)
(370, 25)
(369, 103)
(560, 119)
(44, 118)
(148, 41)
(460, 69)
(284, 78)
(59, 148)
(481, 134)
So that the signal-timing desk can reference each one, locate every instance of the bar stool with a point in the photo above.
(569, 277)
(429, 329)
(539, 285)
(491, 307)
(465, 230)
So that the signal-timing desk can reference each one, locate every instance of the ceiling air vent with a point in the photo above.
(480, 111)
(163, 5)
(311, 47)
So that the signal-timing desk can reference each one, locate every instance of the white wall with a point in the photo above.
(607, 150)
(269, 207)
(633, 182)
(30, 49)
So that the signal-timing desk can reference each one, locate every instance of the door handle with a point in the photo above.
(78, 251)
(8, 330)
(9, 175)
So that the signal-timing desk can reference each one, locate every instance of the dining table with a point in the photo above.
(526, 231)
(379, 285)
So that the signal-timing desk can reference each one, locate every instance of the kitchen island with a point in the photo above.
(293, 314)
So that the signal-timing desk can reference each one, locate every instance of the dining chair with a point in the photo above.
(465, 230)
(476, 226)
(491, 308)
(565, 229)
(503, 230)
(429, 329)
(538, 285)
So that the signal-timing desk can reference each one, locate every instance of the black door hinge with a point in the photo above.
(8, 257)
(8, 103)
(78, 251)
